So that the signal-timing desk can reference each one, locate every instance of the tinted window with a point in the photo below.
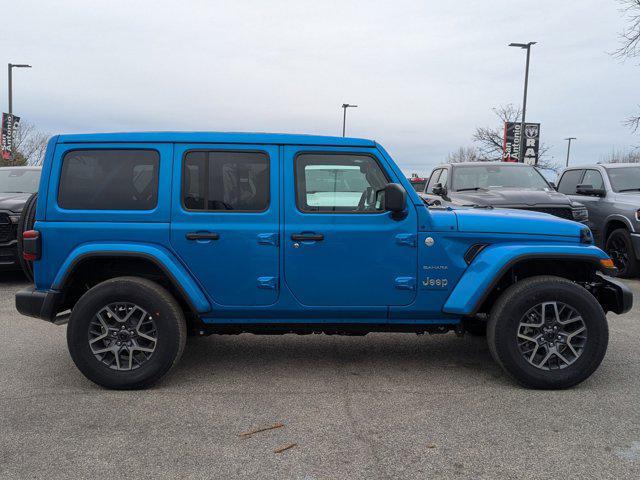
(624, 179)
(593, 178)
(495, 175)
(226, 181)
(19, 180)
(109, 180)
(338, 183)
(570, 181)
(433, 180)
(418, 185)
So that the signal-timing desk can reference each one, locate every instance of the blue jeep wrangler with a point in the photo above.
(142, 238)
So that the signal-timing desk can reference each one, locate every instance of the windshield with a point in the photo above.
(624, 179)
(487, 177)
(419, 185)
(19, 180)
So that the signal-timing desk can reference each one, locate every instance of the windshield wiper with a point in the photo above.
(629, 189)
(12, 192)
(471, 188)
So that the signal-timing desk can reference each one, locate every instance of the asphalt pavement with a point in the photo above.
(383, 406)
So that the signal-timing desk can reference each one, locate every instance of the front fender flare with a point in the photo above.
(490, 264)
(162, 257)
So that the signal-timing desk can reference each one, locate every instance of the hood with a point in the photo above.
(510, 197)
(13, 201)
(515, 222)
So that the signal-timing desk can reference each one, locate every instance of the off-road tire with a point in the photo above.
(163, 308)
(621, 238)
(26, 222)
(504, 322)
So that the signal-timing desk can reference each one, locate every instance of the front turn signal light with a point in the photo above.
(607, 263)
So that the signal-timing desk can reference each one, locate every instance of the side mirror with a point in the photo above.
(585, 189)
(392, 198)
(439, 190)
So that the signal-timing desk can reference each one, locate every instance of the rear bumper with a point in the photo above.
(37, 303)
(613, 295)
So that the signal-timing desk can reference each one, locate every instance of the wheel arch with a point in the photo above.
(89, 265)
(498, 267)
(613, 223)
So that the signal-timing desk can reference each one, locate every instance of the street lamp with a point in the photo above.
(569, 147)
(11, 66)
(527, 47)
(344, 115)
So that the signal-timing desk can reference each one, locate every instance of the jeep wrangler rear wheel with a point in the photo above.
(548, 332)
(126, 333)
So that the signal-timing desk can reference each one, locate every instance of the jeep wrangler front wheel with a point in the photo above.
(126, 333)
(548, 332)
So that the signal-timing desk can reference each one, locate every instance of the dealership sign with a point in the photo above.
(9, 125)
(512, 138)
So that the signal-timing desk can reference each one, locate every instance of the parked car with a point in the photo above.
(141, 238)
(418, 183)
(17, 184)
(611, 193)
(499, 184)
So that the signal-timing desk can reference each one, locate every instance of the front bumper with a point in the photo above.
(613, 295)
(37, 303)
(9, 256)
(635, 241)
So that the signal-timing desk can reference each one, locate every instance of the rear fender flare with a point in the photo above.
(160, 256)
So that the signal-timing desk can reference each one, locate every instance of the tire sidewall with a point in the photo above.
(168, 346)
(506, 320)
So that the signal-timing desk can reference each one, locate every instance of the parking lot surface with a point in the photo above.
(386, 406)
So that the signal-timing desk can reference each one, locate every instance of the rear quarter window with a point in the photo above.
(109, 180)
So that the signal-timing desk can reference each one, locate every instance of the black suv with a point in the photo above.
(499, 184)
(17, 184)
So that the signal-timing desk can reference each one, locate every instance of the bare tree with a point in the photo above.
(630, 44)
(490, 139)
(621, 156)
(29, 145)
(463, 154)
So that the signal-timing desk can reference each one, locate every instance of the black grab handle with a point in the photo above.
(307, 237)
(202, 236)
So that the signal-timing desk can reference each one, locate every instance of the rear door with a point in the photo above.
(340, 250)
(225, 220)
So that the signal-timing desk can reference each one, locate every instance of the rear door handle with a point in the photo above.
(307, 237)
(202, 236)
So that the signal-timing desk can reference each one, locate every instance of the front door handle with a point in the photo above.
(202, 236)
(307, 237)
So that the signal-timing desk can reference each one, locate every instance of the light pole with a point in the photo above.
(344, 115)
(569, 147)
(527, 47)
(11, 66)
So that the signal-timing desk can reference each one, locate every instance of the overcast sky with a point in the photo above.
(423, 73)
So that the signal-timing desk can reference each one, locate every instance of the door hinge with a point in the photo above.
(268, 283)
(408, 239)
(405, 283)
(269, 239)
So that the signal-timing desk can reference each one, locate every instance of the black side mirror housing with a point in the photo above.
(393, 198)
(586, 189)
(439, 189)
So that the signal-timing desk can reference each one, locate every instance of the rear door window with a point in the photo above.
(109, 180)
(569, 181)
(225, 181)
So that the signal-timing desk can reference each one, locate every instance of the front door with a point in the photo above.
(225, 220)
(340, 249)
